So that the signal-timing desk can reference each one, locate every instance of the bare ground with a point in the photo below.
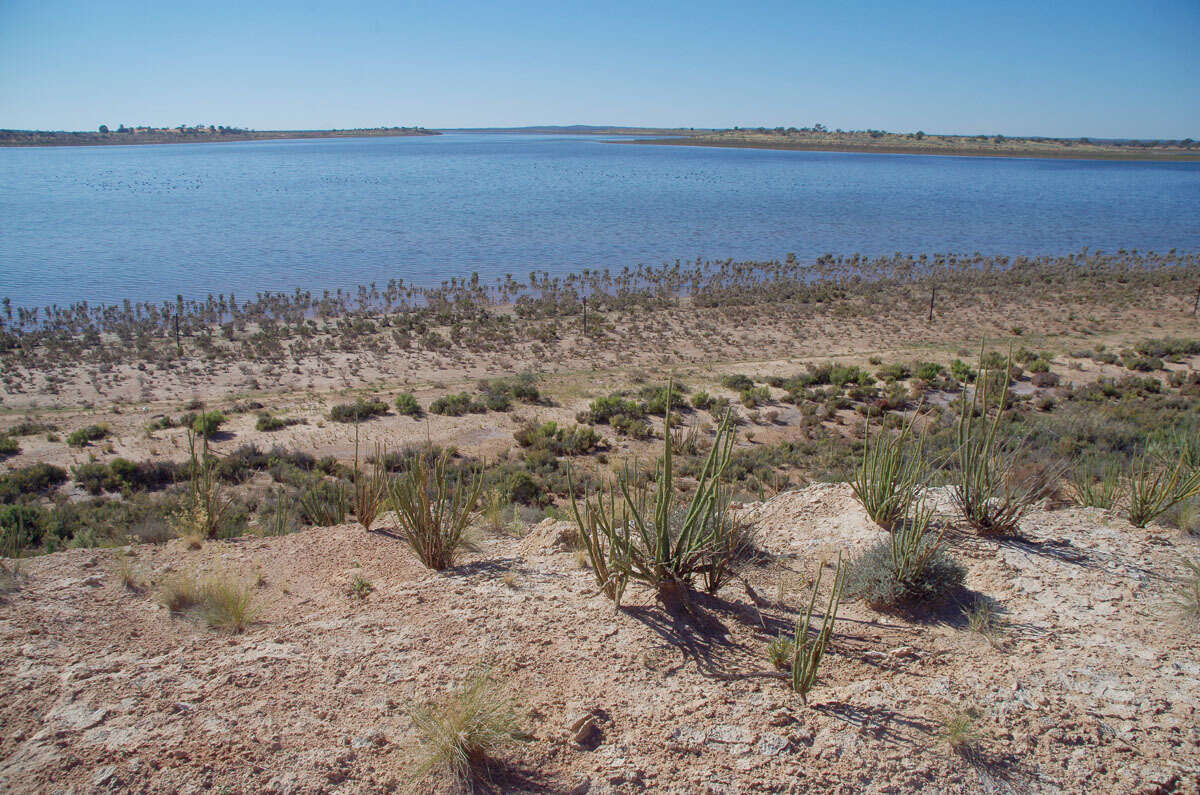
(1090, 684)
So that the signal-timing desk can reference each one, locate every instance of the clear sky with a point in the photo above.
(1101, 68)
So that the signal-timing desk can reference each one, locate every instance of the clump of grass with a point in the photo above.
(434, 507)
(180, 591)
(982, 620)
(126, 572)
(323, 502)
(959, 731)
(908, 567)
(1154, 488)
(228, 604)
(991, 493)
(889, 474)
(632, 531)
(222, 602)
(460, 734)
(807, 653)
(1188, 593)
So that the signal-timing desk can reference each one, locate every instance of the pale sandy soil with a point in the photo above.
(1092, 682)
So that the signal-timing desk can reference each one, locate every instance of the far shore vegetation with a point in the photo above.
(196, 133)
(818, 138)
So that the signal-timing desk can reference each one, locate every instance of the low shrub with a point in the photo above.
(208, 423)
(35, 480)
(83, 436)
(737, 382)
(407, 405)
(876, 576)
(457, 405)
(358, 411)
(8, 446)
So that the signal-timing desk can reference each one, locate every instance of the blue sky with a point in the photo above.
(1103, 68)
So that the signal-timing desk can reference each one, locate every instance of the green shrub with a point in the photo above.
(702, 401)
(1092, 489)
(559, 440)
(95, 478)
(894, 372)
(323, 502)
(358, 411)
(407, 405)
(21, 527)
(91, 433)
(962, 372)
(8, 446)
(267, 422)
(755, 396)
(929, 371)
(207, 423)
(603, 409)
(841, 375)
(737, 382)
(34, 480)
(456, 405)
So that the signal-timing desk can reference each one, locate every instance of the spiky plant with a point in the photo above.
(807, 652)
(206, 505)
(988, 491)
(631, 532)
(889, 473)
(1154, 488)
(434, 508)
(1091, 489)
(1188, 593)
(370, 489)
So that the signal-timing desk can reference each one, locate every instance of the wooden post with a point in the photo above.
(932, 295)
(585, 315)
(178, 343)
(1196, 305)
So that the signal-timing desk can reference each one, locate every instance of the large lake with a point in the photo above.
(147, 222)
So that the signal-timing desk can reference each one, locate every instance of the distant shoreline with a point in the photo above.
(1113, 153)
(30, 138)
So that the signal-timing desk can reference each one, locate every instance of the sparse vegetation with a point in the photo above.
(807, 653)
(81, 437)
(358, 411)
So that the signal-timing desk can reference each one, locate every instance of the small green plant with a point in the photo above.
(434, 507)
(126, 572)
(269, 422)
(807, 653)
(370, 489)
(779, 652)
(460, 734)
(908, 567)
(631, 531)
(959, 731)
(982, 620)
(228, 604)
(8, 446)
(179, 592)
(407, 405)
(323, 502)
(278, 516)
(360, 587)
(1154, 488)
(206, 506)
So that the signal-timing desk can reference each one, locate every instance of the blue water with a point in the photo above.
(147, 222)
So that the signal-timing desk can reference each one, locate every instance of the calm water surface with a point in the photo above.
(147, 222)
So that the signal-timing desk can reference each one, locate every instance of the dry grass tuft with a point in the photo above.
(461, 733)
